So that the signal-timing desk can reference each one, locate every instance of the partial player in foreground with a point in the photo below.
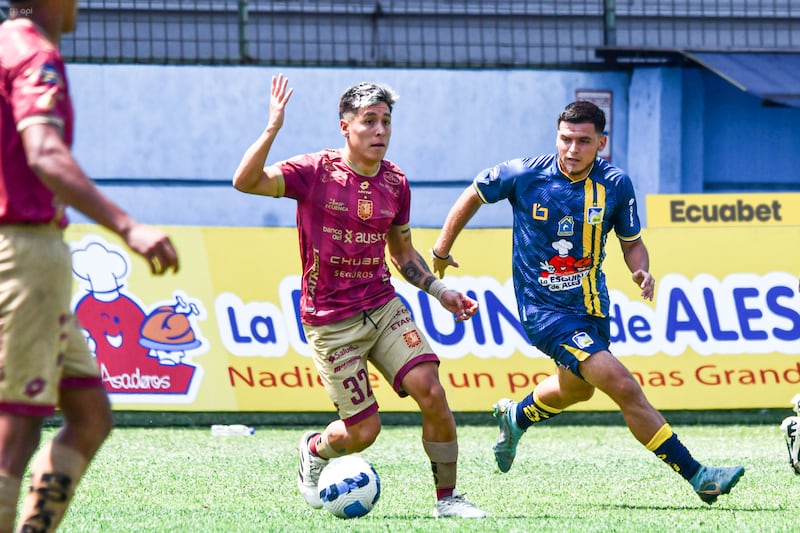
(44, 358)
(351, 205)
(564, 206)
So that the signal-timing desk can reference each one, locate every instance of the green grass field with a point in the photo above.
(567, 477)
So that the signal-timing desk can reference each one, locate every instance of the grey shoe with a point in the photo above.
(709, 482)
(505, 449)
(311, 466)
(457, 506)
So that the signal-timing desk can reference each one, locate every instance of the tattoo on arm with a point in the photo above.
(420, 277)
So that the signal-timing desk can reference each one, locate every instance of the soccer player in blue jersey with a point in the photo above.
(564, 206)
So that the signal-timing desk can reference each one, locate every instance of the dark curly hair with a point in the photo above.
(581, 112)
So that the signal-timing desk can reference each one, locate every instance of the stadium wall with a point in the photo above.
(164, 140)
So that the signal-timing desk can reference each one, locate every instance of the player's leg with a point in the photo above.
(340, 437)
(439, 439)
(86, 412)
(19, 438)
(406, 360)
(608, 374)
(60, 464)
(339, 356)
(35, 289)
(563, 339)
(438, 424)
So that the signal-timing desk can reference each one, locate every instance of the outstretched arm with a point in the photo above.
(638, 261)
(51, 160)
(462, 211)
(251, 176)
(413, 268)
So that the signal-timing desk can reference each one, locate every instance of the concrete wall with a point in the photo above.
(194, 124)
(164, 141)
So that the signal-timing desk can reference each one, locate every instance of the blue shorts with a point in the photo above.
(569, 339)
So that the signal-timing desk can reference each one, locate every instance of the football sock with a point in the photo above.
(9, 496)
(321, 447)
(668, 448)
(54, 475)
(444, 457)
(532, 410)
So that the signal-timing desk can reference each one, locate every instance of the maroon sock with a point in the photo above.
(312, 445)
(444, 493)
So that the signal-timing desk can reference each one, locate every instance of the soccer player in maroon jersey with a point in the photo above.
(351, 204)
(44, 360)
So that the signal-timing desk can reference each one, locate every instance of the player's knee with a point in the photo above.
(433, 400)
(627, 391)
(364, 434)
(89, 433)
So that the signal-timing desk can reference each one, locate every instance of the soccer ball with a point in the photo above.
(349, 486)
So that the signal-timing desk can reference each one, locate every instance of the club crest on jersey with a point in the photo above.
(594, 215)
(582, 340)
(412, 338)
(365, 209)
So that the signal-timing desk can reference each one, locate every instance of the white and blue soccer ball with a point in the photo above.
(349, 486)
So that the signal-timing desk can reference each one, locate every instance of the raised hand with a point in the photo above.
(278, 98)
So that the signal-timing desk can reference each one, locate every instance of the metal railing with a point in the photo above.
(416, 33)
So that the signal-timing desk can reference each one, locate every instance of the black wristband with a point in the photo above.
(437, 256)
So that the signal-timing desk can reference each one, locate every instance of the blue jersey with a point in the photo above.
(559, 235)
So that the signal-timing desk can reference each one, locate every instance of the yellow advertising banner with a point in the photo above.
(723, 210)
(224, 333)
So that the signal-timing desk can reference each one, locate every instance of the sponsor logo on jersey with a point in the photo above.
(582, 340)
(631, 211)
(355, 261)
(391, 178)
(49, 75)
(335, 233)
(562, 271)
(335, 205)
(539, 212)
(362, 237)
(334, 173)
(566, 227)
(394, 191)
(594, 215)
(338, 354)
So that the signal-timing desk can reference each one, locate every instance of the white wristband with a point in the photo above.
(437, 289)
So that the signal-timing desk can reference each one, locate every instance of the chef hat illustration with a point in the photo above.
(562, 247)
(102, 269)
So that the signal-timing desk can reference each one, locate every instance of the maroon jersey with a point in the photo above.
(33, 89)
(342, 222)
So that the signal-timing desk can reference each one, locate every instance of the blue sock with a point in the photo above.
(531, 410)
(674, 453)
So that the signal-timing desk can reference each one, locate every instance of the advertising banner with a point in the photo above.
(224, 334)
